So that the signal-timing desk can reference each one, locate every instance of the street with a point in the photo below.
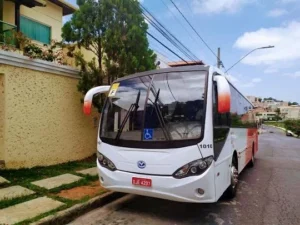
(269, 193)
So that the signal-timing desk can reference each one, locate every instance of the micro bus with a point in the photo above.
(182, 134)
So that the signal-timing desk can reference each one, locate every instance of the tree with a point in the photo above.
(87, 28)
(126, 45)
(115, 31)
(293, 103)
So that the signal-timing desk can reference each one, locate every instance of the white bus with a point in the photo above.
(181, 134)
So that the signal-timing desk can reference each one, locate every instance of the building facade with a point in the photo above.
(41, 118)
(266, 115)
(290, 112)
(39, 20)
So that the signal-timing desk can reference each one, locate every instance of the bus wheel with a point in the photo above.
(251, 163)
(231, 190)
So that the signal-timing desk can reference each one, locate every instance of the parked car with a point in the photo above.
(289, 133)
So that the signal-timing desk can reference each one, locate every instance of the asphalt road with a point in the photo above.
(269, 193)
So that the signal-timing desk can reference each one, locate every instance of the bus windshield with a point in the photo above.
(158, 107)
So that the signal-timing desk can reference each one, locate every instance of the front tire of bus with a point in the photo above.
(232, 189)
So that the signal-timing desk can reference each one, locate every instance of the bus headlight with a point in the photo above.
(194, 168)
(105, 162)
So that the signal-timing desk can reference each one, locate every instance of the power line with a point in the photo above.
(193, 28)
(188, 4)
(116, 10)
(166, 46)
(161, 52)
(173, 43)
(168, 38)
(167, 34)
(160, 59)
(178, 20)
(195, 31)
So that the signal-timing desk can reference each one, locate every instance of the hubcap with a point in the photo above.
(234, 176)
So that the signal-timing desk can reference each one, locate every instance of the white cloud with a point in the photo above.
(218, 6)
(277, 12)
(247, 85)
(285, 38)
(270, 70)
(288, 1)
(294, 75)
(241, 81)
(251, 83)
(256, 80)
(232, 79)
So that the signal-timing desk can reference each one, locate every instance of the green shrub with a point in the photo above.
(293, 125)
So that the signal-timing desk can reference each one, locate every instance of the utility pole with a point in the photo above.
(219, 58)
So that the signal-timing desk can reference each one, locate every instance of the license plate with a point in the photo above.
(142, 182)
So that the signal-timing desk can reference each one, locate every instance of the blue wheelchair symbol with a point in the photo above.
(148, 134)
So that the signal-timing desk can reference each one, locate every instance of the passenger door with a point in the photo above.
(222, 146)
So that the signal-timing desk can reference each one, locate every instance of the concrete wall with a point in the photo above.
(2, 106)
(44, 120)
(9, 12)
(51, 15)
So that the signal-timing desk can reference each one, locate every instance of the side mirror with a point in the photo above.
(223, 94)
(88, 98)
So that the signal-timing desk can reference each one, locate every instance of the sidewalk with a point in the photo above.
(28, 195)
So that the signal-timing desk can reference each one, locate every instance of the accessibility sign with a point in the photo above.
(148, 134)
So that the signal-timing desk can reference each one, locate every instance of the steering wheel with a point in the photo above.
(187, 131)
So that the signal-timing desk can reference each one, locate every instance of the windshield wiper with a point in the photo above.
(160, 117)
(133, 106)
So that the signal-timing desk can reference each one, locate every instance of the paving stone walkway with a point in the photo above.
(3, 180)
(14, 192)
(91, 171)
(57, 181)
(28, 210)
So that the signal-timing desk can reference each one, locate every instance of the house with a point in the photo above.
(41, 118)
(290, 112)
(256, 101)
(39, 20)
(266, 115)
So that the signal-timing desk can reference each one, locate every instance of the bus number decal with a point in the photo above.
(206, 146)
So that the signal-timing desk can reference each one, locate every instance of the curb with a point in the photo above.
(281, 128)
(68, 215)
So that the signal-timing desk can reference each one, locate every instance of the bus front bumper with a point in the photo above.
(165, 187)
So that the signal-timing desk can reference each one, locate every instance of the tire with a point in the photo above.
(232, 189)
(252, 161)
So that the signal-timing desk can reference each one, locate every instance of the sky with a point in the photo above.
(237, 27)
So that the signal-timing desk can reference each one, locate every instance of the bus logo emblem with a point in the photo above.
(141, 164)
